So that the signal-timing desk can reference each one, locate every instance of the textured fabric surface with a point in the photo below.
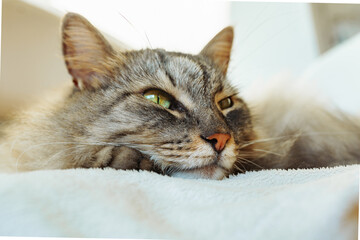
(271, 204)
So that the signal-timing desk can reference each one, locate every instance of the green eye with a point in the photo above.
(159, 97)
(225, 103)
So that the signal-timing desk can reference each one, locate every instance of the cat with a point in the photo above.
(172, 113)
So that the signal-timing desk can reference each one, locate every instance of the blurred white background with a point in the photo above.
(174, 25)
(271, 39)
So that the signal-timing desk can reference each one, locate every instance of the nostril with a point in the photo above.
(217, 140)
(211, 141)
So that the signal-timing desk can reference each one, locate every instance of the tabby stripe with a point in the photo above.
(163, 61)
(170, 77)
(109, 107)
(205, 74)
(122, 134)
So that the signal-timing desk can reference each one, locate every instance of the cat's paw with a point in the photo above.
(126, 158)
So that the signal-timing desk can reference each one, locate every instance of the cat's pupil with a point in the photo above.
(225, 103)
(159, 97)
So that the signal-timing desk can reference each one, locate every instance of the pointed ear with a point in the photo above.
(219, 48)
(88, 56)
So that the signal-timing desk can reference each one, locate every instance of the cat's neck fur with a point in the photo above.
(300, 128)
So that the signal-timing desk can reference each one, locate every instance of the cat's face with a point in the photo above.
(179, 109)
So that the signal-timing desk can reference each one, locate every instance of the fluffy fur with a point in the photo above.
(299, 129)
(103, 120)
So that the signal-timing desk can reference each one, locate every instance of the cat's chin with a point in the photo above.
(212, 171)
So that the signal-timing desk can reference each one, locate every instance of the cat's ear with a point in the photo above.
(219, 48)
(88, 56)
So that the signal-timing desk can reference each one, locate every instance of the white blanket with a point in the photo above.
(271, 204)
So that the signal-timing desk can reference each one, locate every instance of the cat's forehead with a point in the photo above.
(192, 74)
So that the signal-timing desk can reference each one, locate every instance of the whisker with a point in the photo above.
(330, 133)
(266, 151)
(240, 169)
(261, 140)
(132, 25)
(147, 38)
(298, 135)
(61, 152)
(249, 161)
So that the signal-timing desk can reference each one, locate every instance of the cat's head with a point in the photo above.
(177, 108)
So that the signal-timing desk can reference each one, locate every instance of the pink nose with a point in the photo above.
(221, 140)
